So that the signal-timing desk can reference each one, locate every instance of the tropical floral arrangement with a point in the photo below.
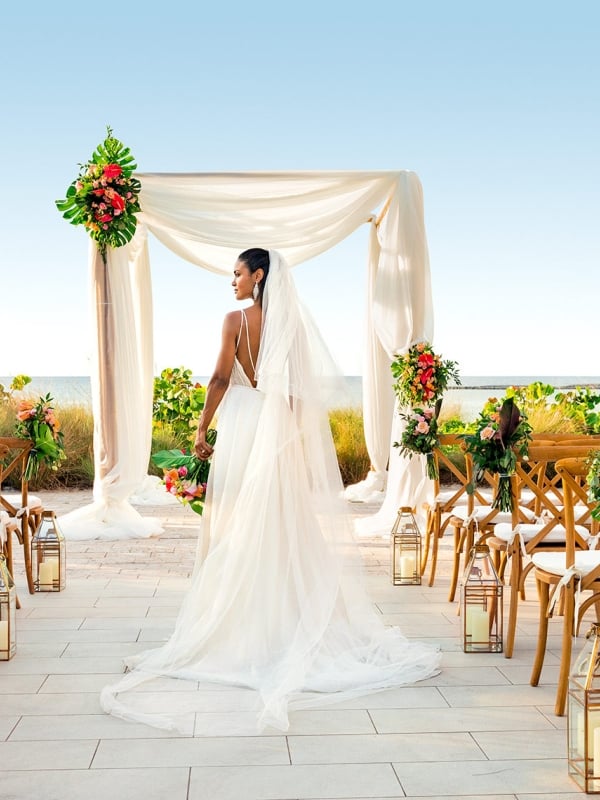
(593, 481)
(104, 198)
(36, 421)
(501, 434)
(421, 376)
(421, 435)
(185, 476)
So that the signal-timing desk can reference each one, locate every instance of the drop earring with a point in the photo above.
(255, 291)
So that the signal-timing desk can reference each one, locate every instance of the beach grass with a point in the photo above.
(349, 439)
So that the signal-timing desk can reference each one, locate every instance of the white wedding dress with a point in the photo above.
(276, 602)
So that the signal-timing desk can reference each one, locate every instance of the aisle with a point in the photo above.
(478, 729)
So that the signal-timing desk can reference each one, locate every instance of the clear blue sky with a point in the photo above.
(495, 106)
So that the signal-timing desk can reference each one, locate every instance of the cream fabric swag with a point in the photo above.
(209, 219)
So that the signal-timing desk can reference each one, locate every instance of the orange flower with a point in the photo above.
(25, 409)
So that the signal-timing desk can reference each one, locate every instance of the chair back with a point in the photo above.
(577, 509)
(547, 489)
(14, 453)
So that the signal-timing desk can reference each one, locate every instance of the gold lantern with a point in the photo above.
(8, 615)
(481, 603)
(583, 712)
(48, 555)
(406, 549)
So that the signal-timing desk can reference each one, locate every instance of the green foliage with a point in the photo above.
(18, 383)
(177, 403)
(37, 422)
(593, 480)
(582, 406)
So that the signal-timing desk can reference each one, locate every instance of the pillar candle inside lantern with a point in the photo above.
(46, 572)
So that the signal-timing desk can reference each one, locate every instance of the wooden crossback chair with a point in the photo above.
(515, 543)
(446, 502)
(23, 509)
(574, 570)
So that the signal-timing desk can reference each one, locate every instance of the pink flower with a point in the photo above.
(428, 413)
(183, 471)
(487, 433)
(422, 427)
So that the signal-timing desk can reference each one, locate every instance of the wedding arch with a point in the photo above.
(208, 219)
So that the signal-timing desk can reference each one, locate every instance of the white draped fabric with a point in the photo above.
(208, 219)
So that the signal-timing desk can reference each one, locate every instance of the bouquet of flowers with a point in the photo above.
(36, 421)
(421, 435)
(104, 196)
(501, 433)
(421, 376)
(593, 481)
(185, 476)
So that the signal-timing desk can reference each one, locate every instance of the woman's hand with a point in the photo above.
(202, 449)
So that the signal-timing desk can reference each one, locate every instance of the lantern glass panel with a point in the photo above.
(8, 615)
(48, 555)
(405, 549)
(583, 715)
(481, 604)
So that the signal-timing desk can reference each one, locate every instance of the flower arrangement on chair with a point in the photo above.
(36, 421)
(501, 434)
(104, 198)
(421, 435)
(185, 476)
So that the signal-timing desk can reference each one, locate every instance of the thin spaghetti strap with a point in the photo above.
(248, 343)
(239, 336)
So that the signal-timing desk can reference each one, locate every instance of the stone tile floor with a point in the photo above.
(478, 730)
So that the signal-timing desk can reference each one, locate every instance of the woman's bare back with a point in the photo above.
(248, 340)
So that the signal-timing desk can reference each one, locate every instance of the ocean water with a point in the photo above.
(468, 398)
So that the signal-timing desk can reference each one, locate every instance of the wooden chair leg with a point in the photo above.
(427, 542)
(27, 553)
(8, 552)
(459, 538)
(434, 559)
(538, 663)
(513, 605)
(567, 647)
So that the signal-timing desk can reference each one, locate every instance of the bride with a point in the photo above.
(276, 603)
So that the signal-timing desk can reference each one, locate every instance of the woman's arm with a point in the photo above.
(217, 385)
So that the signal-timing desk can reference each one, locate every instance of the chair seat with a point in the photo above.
(557, 535)
(555, 563)
(481, 512)
(33, 501)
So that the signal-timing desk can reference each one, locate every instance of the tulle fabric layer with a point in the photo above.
(276, 605)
